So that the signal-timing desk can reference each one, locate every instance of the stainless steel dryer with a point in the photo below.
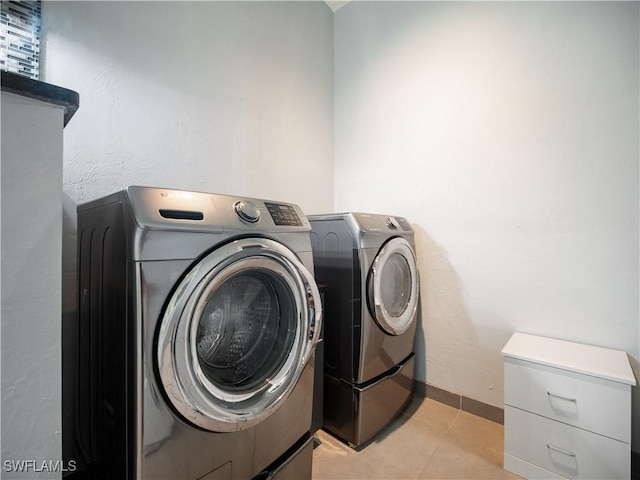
(198, 319)
(368, 265)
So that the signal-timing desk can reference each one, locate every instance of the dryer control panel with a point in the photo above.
(381, 223)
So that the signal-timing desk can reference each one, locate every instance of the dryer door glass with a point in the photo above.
(393, 287)
(237, 333)
(396, 284)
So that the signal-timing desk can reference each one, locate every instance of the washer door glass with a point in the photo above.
(246, 330)
(237, 333)
(393, 287)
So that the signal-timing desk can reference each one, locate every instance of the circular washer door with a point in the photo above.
(237, 333)
(393, 287)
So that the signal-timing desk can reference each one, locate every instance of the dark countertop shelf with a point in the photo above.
(45, 92)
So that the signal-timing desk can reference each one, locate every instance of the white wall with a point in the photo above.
(507, 133)
(228, 97)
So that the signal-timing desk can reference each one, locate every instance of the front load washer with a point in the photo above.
(198, 320)
(368, 265)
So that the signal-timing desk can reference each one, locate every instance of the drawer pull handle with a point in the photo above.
(560, 450)
(569, 399)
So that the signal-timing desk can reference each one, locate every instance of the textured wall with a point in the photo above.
(507, 133)
(228, 97)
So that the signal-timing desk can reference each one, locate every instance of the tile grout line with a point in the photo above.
(440, 443)
(408, 416)
(431, 420)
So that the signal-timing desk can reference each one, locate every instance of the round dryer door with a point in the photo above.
(237, 333)
(393, 287)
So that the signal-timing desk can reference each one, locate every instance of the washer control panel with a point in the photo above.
(392, 223)
(247, 211)
(283, 214)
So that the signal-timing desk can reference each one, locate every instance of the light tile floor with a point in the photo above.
(429, 441)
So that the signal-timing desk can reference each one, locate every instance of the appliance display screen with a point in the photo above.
(283, 214)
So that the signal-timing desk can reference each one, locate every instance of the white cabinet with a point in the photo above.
(567, 409)
(33, 115)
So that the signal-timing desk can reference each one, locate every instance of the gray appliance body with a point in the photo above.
(368, 264)
(198, 320)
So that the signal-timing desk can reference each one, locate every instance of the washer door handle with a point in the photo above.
(314, 305)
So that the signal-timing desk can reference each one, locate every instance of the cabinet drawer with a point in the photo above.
(594, 404)
(563, 449)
